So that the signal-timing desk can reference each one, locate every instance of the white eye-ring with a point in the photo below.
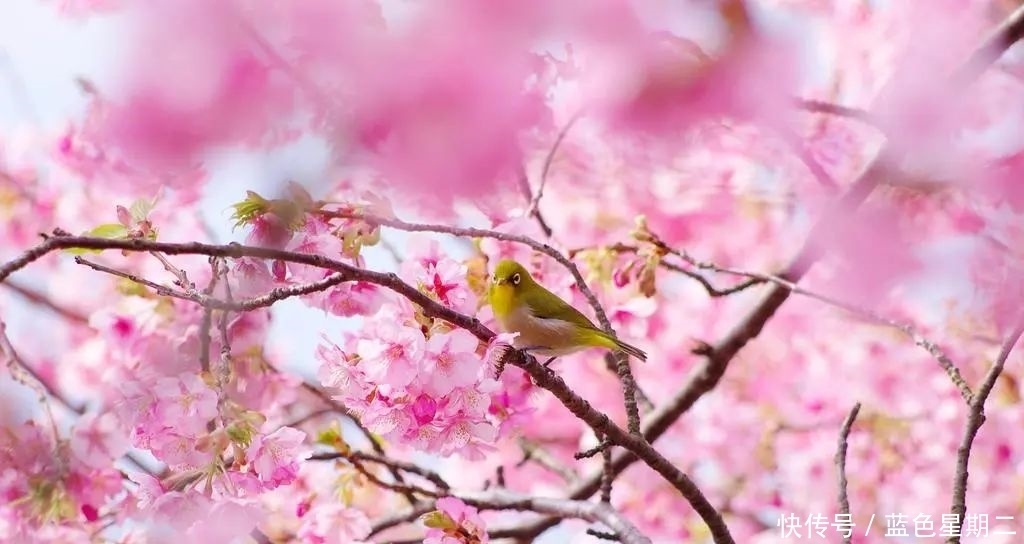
(515, 279)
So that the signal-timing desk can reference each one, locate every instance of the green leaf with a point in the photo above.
(438, 520)
(107, 230)
(140, 209)
(332, 437)
(252, 207)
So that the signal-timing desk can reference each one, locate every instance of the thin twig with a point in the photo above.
(400, 518)
(501, 499)
(752, 277)
(535, 202)
(180, 277)
(840, 460)
(534, 452)
(524, 186)
(411, 468)
(45, 388)
(820, 106)
(799, 148)
(205, 300)
(920, 340)
(607, 477)
(41, 300)
(27, 376)
(713, 292)
(975, 419)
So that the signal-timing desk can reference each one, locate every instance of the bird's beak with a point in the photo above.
(497, 281)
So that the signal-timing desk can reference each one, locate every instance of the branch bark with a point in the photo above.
(844, 435)
(975, 419)
(502, 499)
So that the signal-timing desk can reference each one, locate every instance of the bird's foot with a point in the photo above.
(547, 364)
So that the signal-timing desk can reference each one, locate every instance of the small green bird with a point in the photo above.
(546, 324)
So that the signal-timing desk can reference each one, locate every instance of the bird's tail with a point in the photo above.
(597, 337)
(631, 350)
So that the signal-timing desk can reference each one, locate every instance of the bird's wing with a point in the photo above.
(559, 310)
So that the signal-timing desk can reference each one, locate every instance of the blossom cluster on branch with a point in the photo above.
(818, 248)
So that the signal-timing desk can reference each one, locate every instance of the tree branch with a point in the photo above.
(717, 360)
(535, 452)
(504, 500)
(975, 419)
(820, 106)
(524, 186)
(840, 460)
(41, 300)
(206, 301)
(619, 363)
(931, 347)
(542, 377)
(535, 202)
(409, 468)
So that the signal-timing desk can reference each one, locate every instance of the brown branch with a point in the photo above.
(719, 356)
(607, 477)
(535, 202)
(410, 468)
(999, 40)
(524, 186)
(205, 300)
(975, 419)
(799, 148)
(41, 300)
(712, 291)
(534, 452)
(620, 362)
(820, 106)
(541, 376)
(840, 460)
(504, 500)
(931, 347)
(399, 518)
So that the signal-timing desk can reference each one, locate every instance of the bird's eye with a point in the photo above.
(515, 279)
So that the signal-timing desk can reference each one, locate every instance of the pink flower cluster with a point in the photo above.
(46, 482)
(432, 391)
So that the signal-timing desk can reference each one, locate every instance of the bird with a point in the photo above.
(547, 325)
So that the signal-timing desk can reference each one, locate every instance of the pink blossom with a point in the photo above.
(424, 409)
(352, 299)
(149, 488)
(275, 457)
(451, 361)
(226, 94)
(97, 440)
(339, 371)
(334, 523)
(226, 521)
(410, 128)
(469, 439)
(392, 355)
(178, 450)
(314, 238)
(186, 398)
